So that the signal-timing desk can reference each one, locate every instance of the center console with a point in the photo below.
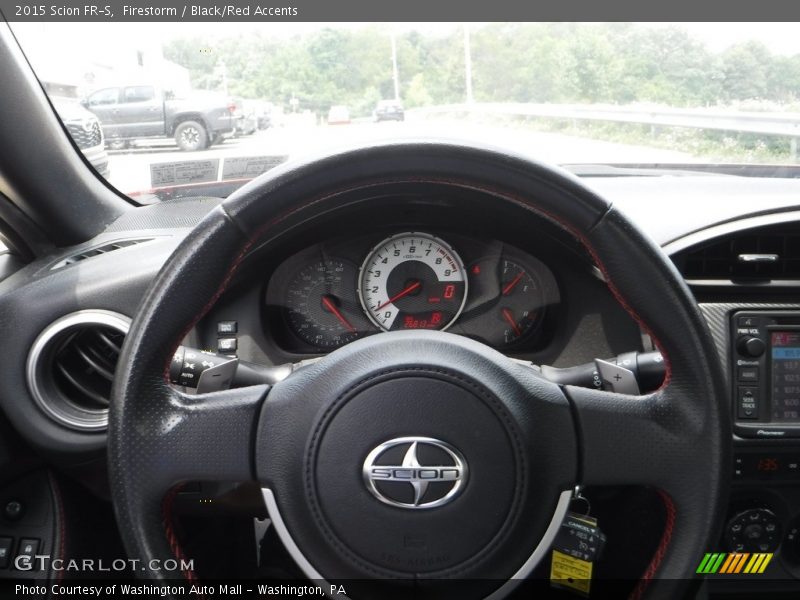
(760, 348)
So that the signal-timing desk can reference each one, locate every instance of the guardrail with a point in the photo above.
(766, 123)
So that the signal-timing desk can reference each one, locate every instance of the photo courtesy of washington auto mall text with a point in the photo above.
(139, 590)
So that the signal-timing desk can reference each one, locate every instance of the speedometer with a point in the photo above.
(318, 302)
(412, 281)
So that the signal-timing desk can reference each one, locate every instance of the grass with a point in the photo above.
(709, 145)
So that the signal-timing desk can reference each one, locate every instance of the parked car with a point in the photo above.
(263, 113)
(389, 110)
(338, 115)
(133, 112)
(85, 130)
(244, 121)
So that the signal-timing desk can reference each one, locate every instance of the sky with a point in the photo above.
(780, 38)
(110, 46)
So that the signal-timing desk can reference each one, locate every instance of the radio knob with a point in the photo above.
(751, 346)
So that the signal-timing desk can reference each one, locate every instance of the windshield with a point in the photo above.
(167, 109)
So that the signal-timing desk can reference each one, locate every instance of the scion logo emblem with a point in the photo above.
(415, 472)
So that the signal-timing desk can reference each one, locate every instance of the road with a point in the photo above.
(130, 169)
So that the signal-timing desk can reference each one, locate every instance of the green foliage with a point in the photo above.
(512, 62)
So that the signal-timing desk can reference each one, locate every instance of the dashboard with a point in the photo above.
(339, 290)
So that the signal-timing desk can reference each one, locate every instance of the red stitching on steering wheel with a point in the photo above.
(520, 201)
(666, 537)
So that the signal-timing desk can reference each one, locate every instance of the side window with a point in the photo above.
(103, 97)
(138, 93)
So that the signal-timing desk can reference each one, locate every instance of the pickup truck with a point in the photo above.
(133, 112)
(85, 131)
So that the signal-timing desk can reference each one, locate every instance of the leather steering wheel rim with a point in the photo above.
(676, 439)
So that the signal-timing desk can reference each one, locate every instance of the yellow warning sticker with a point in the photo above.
(571, 573)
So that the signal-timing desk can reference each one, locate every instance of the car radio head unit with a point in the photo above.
(765, 369)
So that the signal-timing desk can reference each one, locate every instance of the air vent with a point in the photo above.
(760, 255)
(71, 367)
(97, 251)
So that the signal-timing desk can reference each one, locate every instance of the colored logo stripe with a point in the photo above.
(734, 563)
(758, 563)
(710, 563)
(728, 562)
(737, 564)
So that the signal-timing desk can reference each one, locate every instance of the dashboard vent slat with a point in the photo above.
(104, 249)
(85, 365)
(756, 256)
(71, 367)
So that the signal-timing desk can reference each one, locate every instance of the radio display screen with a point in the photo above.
(785, 375)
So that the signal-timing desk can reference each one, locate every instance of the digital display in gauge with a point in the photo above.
(412, 281)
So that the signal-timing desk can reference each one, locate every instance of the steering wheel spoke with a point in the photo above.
(204, 437)
(635, 440)
(213, 434)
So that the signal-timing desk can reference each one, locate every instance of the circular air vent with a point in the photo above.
(71, 367)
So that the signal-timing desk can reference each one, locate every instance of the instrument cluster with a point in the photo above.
(338, 291)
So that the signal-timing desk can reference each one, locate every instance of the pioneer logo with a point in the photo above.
(411, 484)
(770, 432)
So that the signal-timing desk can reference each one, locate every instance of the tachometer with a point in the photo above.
(412, 281)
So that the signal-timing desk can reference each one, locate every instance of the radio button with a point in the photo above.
(747, 403)
(748, 374)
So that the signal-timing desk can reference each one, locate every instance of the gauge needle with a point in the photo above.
(328, 303)
(512, 283)
(399, 295)
(510, 318)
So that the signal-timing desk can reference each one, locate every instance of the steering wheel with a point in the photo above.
(491, 449)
